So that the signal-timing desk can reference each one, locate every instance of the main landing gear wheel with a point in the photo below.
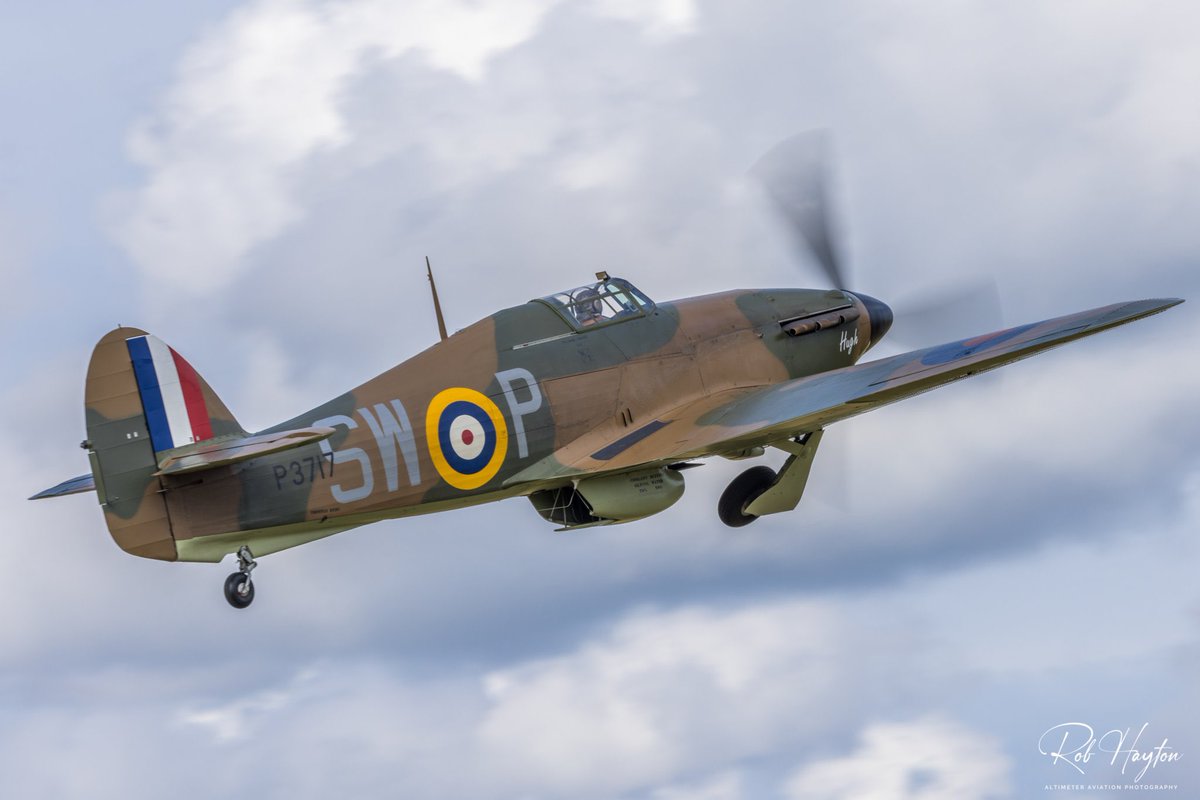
(239, 589)
(741, 492)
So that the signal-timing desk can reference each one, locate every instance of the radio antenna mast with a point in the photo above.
(437, 306)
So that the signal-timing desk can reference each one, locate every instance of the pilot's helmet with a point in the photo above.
(588, 307)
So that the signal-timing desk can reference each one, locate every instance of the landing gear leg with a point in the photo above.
(759, 490)
(239, 589)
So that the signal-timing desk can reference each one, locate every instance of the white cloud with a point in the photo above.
(663, 18)
(664, 692)
(929, 759)
(237, 720)
(645, 706)
(670, 705)
(260, 99)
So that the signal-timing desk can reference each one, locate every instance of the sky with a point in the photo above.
(258, 183)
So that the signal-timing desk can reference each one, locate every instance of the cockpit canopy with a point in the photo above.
(607, 300)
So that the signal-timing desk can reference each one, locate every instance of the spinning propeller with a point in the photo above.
(795, 175)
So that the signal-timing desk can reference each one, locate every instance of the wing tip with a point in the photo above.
(1138, 309)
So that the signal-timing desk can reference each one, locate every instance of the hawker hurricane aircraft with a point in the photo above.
(590, 402)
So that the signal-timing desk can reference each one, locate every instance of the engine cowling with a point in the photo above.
(610, 499)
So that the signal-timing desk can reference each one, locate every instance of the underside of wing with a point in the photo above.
(744, 418)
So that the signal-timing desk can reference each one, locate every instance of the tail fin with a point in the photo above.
(143, 401)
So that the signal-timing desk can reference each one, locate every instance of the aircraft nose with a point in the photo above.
(879, 314)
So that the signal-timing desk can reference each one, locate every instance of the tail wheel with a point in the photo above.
(239, 590)
(741, 492)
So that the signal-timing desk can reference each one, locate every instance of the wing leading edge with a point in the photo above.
(746, 418)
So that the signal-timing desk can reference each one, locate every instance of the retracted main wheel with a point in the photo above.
(239, 590)
(741, 492)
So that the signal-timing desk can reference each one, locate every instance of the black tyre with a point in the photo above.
(239, 590)
(741, 492)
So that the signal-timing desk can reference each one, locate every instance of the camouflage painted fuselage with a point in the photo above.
(534, 382)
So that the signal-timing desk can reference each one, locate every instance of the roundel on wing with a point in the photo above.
(467, 437)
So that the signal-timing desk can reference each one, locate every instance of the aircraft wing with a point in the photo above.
(748, 417)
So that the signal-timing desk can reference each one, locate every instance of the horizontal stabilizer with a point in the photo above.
(229, 451)
(84, 483)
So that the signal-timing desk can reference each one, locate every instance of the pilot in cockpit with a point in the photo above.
(587, 306)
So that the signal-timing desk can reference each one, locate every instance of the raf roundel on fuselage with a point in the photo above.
(467, 437)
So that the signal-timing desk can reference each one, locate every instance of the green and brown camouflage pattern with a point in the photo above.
(711, 375)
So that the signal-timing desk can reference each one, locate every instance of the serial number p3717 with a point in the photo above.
(303, 470)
